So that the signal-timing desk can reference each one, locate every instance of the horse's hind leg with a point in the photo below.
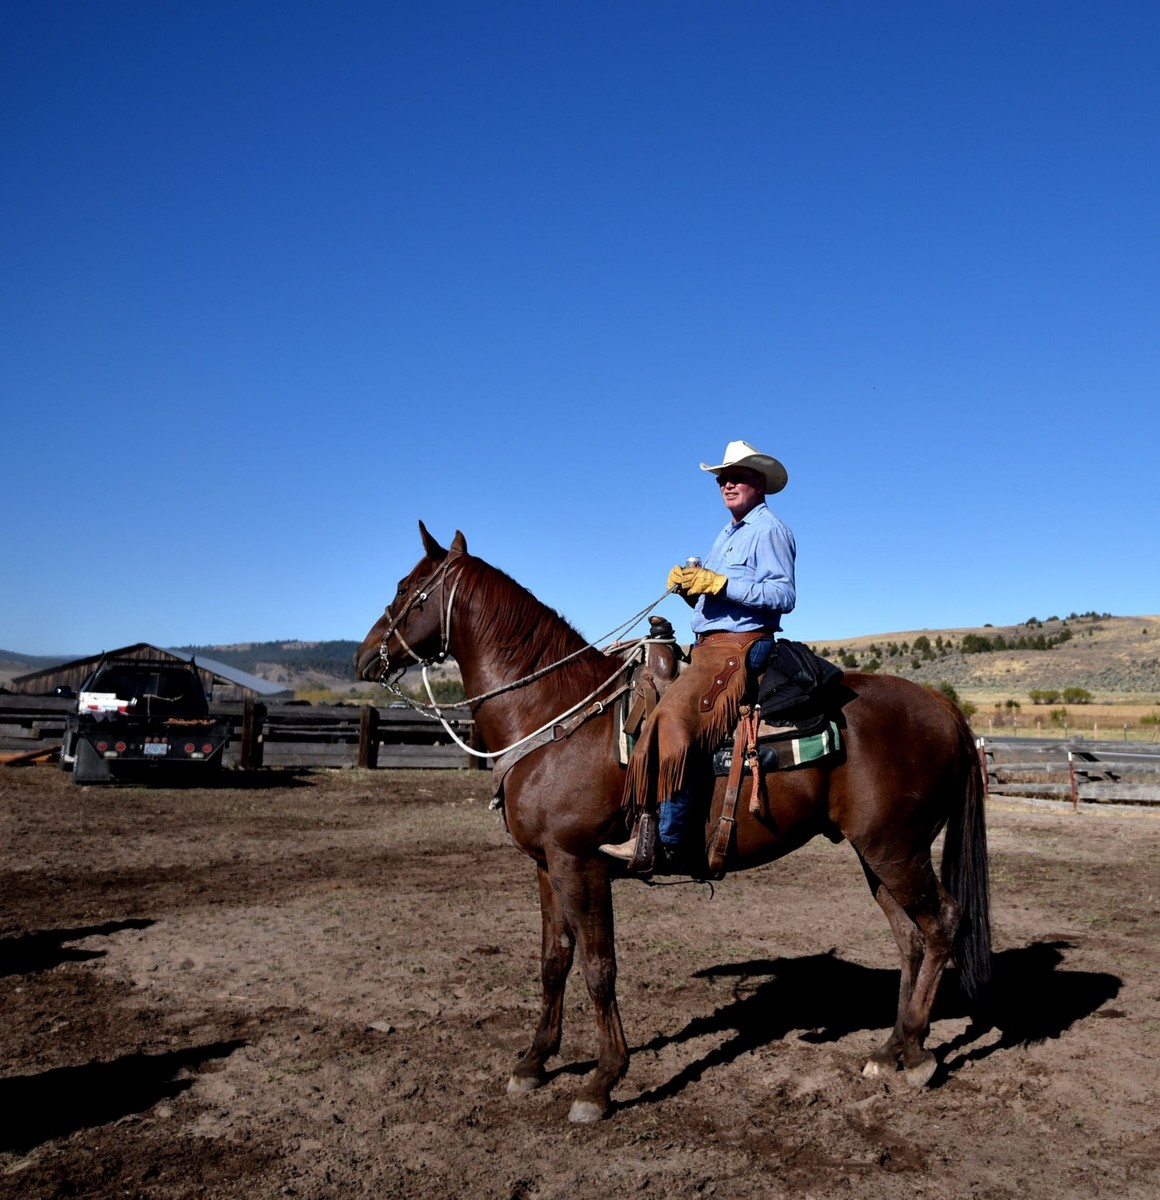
(887, 1059)
(557, 944)
(924, 925)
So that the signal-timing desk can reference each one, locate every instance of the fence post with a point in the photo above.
(1074, 789)
(476, 743)
(253, 718)
(368, 737)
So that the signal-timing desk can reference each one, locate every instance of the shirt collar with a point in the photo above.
(745, 519)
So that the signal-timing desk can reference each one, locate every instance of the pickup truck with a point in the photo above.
(142, 719)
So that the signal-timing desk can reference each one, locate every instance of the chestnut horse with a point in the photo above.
(910, 770)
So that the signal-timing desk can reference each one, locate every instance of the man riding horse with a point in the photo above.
(740, 594)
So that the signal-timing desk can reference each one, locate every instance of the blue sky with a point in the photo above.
(282, 278)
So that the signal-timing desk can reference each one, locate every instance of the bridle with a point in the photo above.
(418, 598)
(591, 705)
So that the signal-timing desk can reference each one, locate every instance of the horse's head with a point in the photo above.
(414, 626)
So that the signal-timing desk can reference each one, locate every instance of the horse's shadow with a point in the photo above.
(1031, 998)
(61, 1101)
(30, 953)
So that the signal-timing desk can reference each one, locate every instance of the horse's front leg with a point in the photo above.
(556, 946)
(584, 890)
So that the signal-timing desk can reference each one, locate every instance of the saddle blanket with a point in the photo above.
(784, 754)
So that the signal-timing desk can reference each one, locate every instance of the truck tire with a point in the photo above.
(90, 767)
(67, 751)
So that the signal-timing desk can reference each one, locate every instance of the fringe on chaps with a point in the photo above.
(697, 713)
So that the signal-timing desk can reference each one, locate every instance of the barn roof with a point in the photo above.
(47, 677)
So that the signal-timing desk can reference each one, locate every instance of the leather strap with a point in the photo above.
(726, 823)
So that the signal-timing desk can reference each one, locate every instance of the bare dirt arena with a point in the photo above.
(316, 985)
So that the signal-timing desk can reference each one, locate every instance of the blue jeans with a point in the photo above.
(673, 814)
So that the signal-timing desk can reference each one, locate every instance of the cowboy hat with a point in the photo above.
(742, 454)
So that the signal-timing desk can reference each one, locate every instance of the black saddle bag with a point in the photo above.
(795, 682)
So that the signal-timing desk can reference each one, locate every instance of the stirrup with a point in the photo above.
(645, 833)
(639, 852)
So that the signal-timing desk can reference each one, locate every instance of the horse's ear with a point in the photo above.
(434, 551)
(458, 543)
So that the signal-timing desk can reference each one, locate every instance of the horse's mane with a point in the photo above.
(529, 634)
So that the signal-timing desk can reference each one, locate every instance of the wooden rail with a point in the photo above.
(1087, 772)
(279, 735)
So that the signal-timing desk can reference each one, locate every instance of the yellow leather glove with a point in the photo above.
(675, 577)
(700, 581)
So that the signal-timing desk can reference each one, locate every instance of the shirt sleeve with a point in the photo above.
(769, 582)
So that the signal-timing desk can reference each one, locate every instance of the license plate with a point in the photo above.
(156, 748)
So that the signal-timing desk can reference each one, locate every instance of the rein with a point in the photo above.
(420, 595)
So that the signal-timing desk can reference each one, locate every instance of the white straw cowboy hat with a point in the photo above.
(742, 454)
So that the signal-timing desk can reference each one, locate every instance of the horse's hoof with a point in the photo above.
(920, 1075)
(586, 1112)
(519, 1084)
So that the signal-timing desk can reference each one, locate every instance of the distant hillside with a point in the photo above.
(1109, 656)
(21, 663)
(293, 663)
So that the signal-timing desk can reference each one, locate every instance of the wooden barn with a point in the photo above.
(222, 682)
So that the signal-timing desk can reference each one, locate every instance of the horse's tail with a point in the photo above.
(965, 872)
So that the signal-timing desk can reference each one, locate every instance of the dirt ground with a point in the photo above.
(316, 985)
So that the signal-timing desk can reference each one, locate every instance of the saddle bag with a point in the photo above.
(795, 682)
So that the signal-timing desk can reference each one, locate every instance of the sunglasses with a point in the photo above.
(745, 477)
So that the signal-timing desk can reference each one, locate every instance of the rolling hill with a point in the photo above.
(1112, 657)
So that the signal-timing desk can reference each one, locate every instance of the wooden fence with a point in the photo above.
(342, 735)
(1082, 772)
(278, 735)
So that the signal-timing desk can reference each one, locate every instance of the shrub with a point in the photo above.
(1150, 719)
(445, 691)
(1058, 716)
(965, 707)
(1076, 695)
(1044, 695)
(974, 644)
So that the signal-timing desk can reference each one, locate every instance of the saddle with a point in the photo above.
(788, 723)
(790, 726)
(661, 660)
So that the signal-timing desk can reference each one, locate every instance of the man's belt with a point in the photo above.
(746, 636)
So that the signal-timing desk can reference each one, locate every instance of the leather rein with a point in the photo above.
(561, 725)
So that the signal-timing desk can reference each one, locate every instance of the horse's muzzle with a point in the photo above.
(369, 665)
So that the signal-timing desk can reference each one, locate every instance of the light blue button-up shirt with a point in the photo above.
(756, 555)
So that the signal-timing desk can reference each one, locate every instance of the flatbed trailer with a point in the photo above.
(144, 719)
